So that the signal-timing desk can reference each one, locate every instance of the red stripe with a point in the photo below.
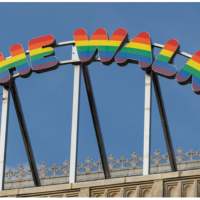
(41, 41)
(1, 56)
(120, 34)
(143, 37)
(100, 34)
(171, 45)
(16, 49)
(80, 34)
(196, 57)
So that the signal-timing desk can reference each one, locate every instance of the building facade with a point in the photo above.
(127, 179)
(170, 184)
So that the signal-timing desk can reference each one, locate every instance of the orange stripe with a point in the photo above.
(40, 41)
(16, 50)
(80, 37)
(170, 47)
(1, 56)
(142, 40)
(99, 37)
(118, 37)
(196, 58)
(39, 45)
(100, 34)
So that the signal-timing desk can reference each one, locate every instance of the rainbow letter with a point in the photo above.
(106, 47)
(21, 65)
(40, 53)
(4, 73)
(191, 70)
(17, 61)
(162, 64)
(138, 49)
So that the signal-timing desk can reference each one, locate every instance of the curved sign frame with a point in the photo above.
(40, 57)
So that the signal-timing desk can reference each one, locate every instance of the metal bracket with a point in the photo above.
(163, 117)
(147, 124)
(3, 133)
(96, 122)
(75, 118)
(149, 78)
(24, 132)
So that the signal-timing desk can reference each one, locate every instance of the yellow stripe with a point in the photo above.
(40, 50)
(139, 46)
(194, 64)
(98, 43)
(11, 60)
(167, 53)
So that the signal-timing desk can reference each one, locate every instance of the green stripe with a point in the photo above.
(41, 55)
(93, 48)
(163, 58)
(191, 70)
(23, 61)
(113, 49)
(137, 51)
(12, 65)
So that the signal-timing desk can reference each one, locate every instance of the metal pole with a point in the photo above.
(163, 117)
(24, 132)
(3, 133)
(147, 124)
(96, 123)
(75, 118)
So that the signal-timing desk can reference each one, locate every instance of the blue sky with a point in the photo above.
(119, 91)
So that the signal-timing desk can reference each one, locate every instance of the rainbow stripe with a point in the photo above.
(162, 64)
(191, 69)
(138, 49)
(38, 54)
(4, 73)
(21, 65)
(106, 47)
(18, 59)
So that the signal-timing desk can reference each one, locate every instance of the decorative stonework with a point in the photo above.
(130, 191)
(170, 184)
(188, 188)
(172, 189)
(145, 190)
(132, 166)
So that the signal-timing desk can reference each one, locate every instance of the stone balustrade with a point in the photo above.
(127, 179)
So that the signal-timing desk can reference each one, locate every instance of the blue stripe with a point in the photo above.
(167, 66)
(124, 55)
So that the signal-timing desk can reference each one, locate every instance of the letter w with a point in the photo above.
(107, 48)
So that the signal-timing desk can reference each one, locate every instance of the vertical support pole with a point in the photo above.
(3, 133)
(96, 123)
(147, 124)
(163, 117)
(24, 132)
(75, 118)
